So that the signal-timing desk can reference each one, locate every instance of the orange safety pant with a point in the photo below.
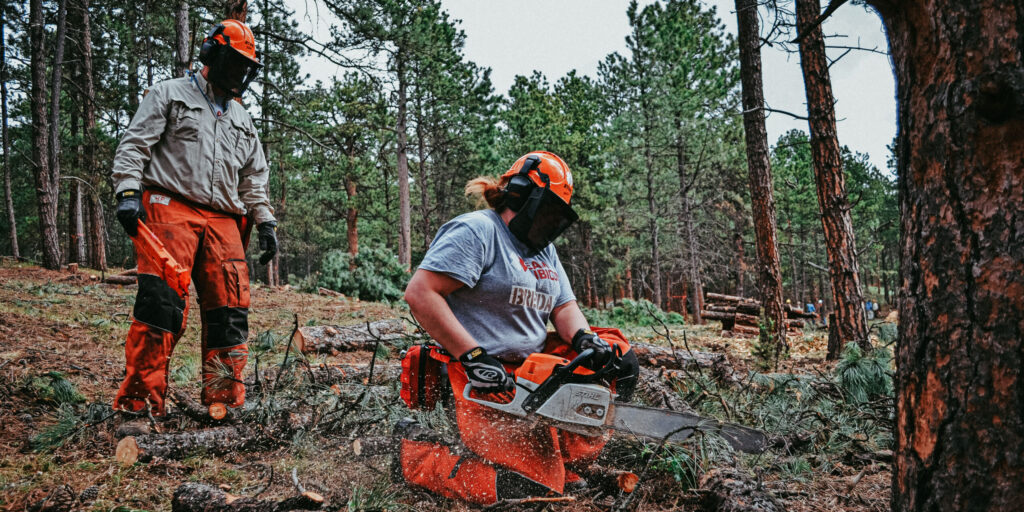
(209, 243)
(511, 457)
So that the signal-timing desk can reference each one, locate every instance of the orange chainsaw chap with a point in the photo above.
(208, 246)
(511, 457)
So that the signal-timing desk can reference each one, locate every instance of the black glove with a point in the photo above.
(267, 232)
(584, 339)
(129, 210)
(486, 374)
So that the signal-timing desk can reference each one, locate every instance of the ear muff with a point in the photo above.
(520, 186)
(211, 47)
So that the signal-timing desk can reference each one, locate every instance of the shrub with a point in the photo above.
(864, 377)
(627, 312)
(374, 274)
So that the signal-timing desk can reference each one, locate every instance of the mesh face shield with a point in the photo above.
(543, 217)
(233, 72)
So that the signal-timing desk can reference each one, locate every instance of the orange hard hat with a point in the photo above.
(545, 169)
(233, 34)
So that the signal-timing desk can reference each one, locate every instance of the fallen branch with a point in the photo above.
(198, 497)
(122, 280)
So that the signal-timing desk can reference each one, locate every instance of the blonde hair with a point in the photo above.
(487, 190)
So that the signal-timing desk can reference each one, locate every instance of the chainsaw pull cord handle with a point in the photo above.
(558, 377)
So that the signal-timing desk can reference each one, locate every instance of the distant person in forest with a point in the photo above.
(485, 290)
(192, 167)
(822, 314)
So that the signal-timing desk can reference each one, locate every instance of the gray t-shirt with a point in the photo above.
(509, 294)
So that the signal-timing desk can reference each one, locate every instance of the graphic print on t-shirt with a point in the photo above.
(532, 296)
(532, 299)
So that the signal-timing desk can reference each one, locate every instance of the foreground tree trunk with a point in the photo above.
(769, 270)
(46, 183)
(831, 183)
(8, 200)
(960, 357)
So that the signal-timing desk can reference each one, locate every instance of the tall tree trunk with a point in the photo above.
(351, 212)
(181, 49)
(694, 263)
(94, 175)
(404, 221)
(741, 262)
(8, 199)
(46, 189)
(132, 45)
(421, 177)
(76, 226)
(588, 264)
(960, 357)
(831, 183)
(769, 271)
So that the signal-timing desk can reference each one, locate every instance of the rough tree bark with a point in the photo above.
(181, 50)
(960, 359)
(769, 270)
(8, 199)
(840, 245)
(46, 183)
(97, 223)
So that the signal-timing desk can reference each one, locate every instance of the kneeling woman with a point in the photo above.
(485, 290)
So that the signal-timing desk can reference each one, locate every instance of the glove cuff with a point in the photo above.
(269, 223)
(579, 334)
(128, 194)
(473, 355)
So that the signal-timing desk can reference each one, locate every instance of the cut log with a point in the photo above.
(728, 490)
(216, 414)
(336, 338)
(329, 293)
(199, 497)
(656, 356)
(719, 297)
(719, 309)
(328, 376)
(747, 320)
(747, 330)
(178, 445)
(719, 315)
(652, 389)
(122, 280)
(795, 312)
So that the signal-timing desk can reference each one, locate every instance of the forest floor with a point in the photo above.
(61, 361)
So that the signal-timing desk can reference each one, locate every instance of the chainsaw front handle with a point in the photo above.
(515, 407)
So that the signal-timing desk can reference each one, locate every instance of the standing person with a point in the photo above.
(191, 165)
(485, 290)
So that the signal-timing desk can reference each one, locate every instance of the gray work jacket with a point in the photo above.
(176, 142)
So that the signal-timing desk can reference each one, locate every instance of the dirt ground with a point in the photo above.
(60, 326)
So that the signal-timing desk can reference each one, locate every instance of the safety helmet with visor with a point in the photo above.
(539, 189)
(230, 52)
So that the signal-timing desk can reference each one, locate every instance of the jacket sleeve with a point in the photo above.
(253, 185)
(134, 151)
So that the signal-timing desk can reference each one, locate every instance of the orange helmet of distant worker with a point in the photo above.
(538, 187)
(230, 52)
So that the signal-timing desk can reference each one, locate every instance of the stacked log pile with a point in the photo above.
(740, 316)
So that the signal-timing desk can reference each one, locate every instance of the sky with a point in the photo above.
(516, 37)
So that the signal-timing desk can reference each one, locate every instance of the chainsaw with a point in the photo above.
(568, 396)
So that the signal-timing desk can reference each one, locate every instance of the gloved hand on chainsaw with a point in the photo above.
(584, 339)
(486, 374)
